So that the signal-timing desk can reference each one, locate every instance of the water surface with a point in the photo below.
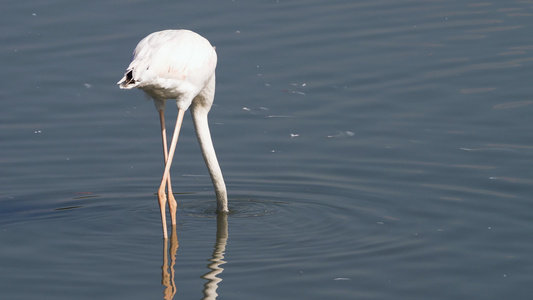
(371, 149)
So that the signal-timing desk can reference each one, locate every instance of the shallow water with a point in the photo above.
(371, 149)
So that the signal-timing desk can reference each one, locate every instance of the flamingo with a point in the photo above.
(180, 65)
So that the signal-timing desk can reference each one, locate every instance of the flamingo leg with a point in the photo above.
(166, 174)
(172, 204)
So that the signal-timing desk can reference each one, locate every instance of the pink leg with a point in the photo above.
(172, 204)
(166, 175)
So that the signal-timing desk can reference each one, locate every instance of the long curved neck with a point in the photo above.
(199, 117)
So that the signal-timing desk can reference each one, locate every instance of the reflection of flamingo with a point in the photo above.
(210, 287)
(179, 64)
(216, 261)
(167, 270)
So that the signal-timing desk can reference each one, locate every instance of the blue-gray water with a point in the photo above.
(371, 149)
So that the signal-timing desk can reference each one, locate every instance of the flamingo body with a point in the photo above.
(171, 64)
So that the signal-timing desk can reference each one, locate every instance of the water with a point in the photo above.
(371, 149)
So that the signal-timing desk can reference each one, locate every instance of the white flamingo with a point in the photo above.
(180, 65)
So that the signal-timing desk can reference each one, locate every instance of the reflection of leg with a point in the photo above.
(217, 260)
(173, 252)
(167, 270)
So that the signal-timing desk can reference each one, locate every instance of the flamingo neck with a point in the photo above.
(199, 116)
